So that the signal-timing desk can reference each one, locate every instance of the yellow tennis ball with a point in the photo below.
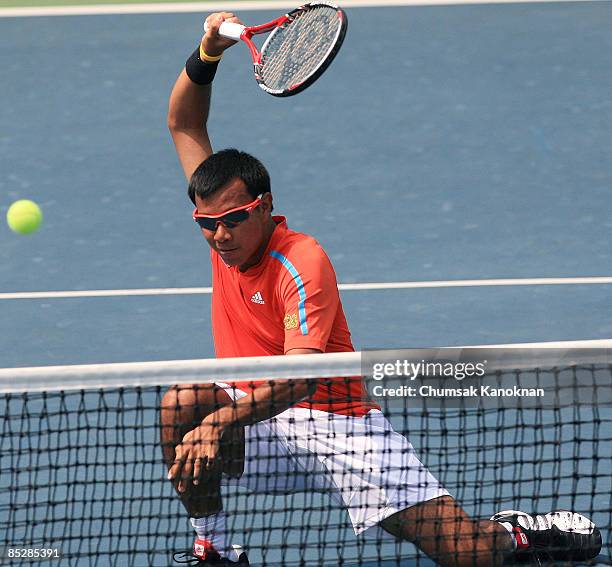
(24, 216)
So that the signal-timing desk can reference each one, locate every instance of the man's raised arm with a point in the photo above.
(190, 99)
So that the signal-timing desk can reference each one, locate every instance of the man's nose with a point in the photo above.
(222, 234)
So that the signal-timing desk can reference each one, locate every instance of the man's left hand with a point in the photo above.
(196, 453)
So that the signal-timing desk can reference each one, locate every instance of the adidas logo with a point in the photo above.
(257, 298)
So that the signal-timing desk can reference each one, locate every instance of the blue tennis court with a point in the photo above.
(462, 143)
(483, 149)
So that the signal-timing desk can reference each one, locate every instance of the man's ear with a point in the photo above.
(267, 200)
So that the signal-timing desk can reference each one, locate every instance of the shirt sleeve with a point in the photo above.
(309, 298)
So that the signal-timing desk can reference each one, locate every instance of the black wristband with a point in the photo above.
(200, 72)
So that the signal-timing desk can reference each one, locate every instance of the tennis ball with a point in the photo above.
(24, 216)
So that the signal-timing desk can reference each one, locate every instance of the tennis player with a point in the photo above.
(275, 293)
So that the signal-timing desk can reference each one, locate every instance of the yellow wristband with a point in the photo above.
(209, 58)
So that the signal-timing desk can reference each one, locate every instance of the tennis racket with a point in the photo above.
(301, 45)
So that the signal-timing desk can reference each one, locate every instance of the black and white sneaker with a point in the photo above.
(557, 536)
(205, 555)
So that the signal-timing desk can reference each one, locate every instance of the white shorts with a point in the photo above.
(365, 465)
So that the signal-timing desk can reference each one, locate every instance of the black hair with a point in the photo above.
(223, 166)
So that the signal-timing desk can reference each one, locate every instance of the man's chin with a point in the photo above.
(231, 257)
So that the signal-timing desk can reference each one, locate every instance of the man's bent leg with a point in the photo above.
(184, 407)
(442, 529)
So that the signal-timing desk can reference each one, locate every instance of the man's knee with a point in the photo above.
(178, 415)
(178, 403)
(183, 407)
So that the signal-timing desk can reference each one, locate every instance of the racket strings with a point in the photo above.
(297, 50)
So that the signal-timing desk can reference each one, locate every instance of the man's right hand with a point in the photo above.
(212, 43)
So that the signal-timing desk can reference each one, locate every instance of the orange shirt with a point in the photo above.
(288, 300)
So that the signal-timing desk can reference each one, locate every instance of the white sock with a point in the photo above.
(212, 529)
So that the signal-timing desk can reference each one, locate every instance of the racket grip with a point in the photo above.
(229, 30)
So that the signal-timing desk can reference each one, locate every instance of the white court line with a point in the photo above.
(207, 7)
(475, 283)
(342, 287)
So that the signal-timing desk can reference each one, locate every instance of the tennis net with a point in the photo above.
(82, 475)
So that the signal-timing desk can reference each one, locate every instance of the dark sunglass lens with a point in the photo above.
(232, 219)
(208, 224)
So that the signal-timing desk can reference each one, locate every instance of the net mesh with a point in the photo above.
(296, 50)
(81, 470)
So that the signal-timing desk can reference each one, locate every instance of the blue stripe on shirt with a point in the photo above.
(300, 287)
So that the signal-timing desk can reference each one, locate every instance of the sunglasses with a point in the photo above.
(229, 219)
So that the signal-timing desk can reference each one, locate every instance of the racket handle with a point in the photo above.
(229, 30)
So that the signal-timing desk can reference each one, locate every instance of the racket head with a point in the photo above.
(299, 51)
